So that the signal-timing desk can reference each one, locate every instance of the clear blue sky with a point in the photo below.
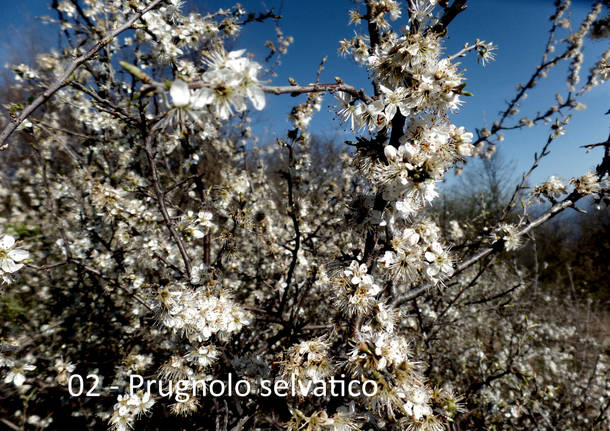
(518, 27)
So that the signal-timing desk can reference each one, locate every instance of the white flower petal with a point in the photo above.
(432, 271)
(201, 98)
(236, 53)
(19, 379)
(18, 255)
(8, 266)
(6, 242)
(180, 93)
(257, 97)
(390, 111)
(390, 152)
(240, 104)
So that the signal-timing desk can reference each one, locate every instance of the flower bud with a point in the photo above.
(390, 152)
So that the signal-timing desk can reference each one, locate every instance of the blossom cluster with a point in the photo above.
(11, 258)
(128, 408)
(229, 80)
(198, 314)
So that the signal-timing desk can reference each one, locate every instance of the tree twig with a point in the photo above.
(457, 7)
(161, 200)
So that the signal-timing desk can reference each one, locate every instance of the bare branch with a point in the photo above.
(316, 88)
(449, 15)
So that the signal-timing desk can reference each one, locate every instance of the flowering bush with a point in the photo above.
(166, 249)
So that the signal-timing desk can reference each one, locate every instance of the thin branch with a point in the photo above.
(472, 283)
(93, 271)
(168, 263)
(476, 386)
(10, 424)
(160, 194)
(449, 15)
(182, 182)
(522, 185)
(462, 53)
(111, 281)
(540, 69)
(373, 37)
(496, 296)
(113, 110)
(46, 267)
(297, 230)
(295, 90)
(151, 87)
(602, 412)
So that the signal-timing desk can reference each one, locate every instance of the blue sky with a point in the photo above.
(518, 27)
